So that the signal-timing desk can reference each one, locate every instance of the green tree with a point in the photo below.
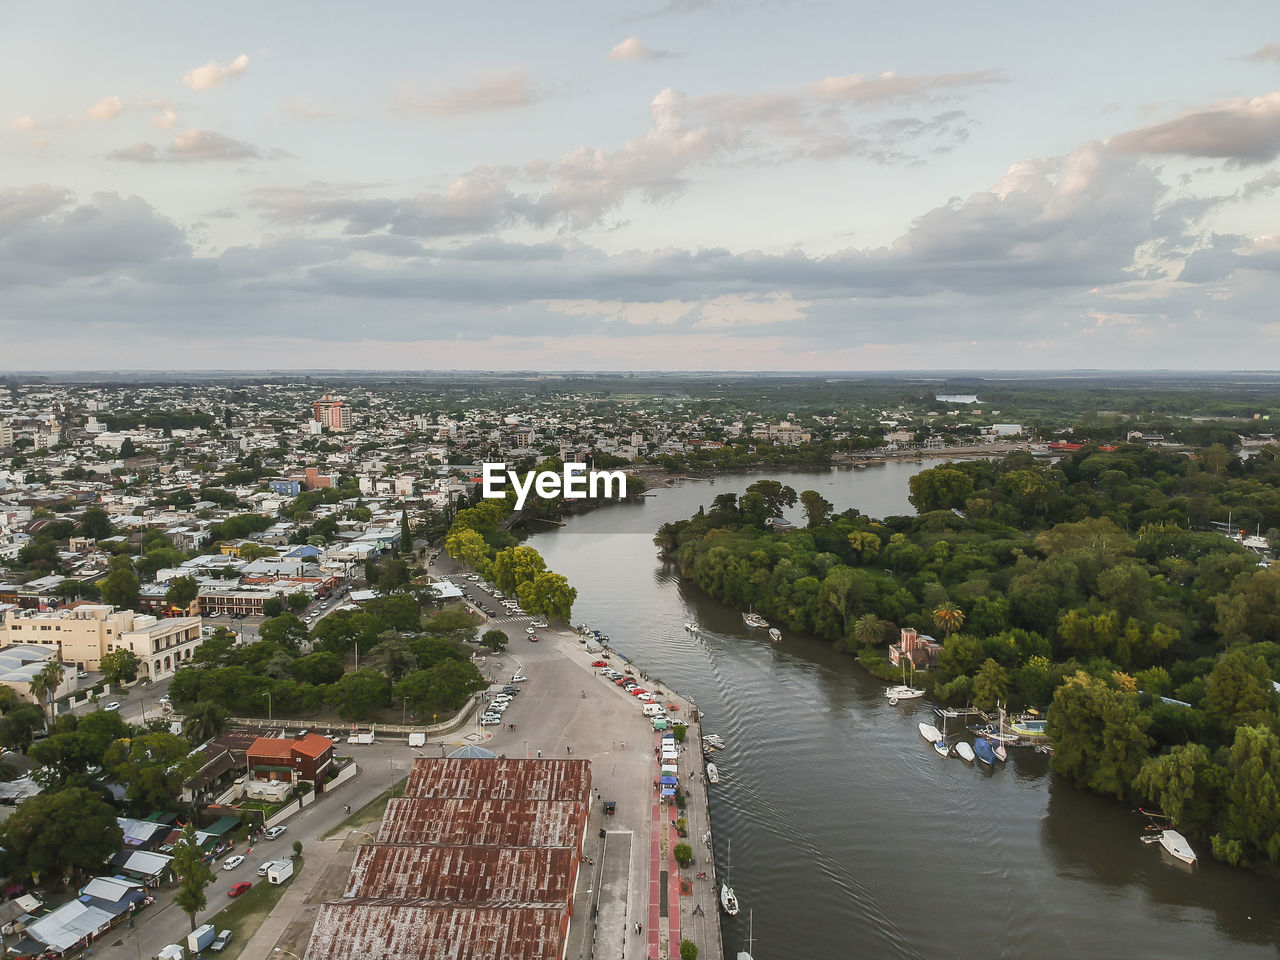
(299, 600)
(393, 657)
(683, 854)
(44, 685)
(816, 508)
(990, 686)
(1238, 690)
(406, 536)
(467, 546)
(775, 495)
(864, 544)
(516, 565)
(1252, 812)
(495, 640)
(194, 875)
(119, 666)
(1099, 735)
(869, 630)
(19, 725)
(286, 630)
(127, 449)
(182, 592)
(358, 694)
(1185, 783)
(548, 594)
(939, 488)
(96, 524)
(320, 668)
(120, 588)
(153, 766)
(55, 835)
(688, 950)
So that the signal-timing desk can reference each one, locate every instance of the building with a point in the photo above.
(287, 488)
(313, 479)
(333, 414)
(920, 650)
(19, 663)
(273, 758)
(481, 852)
(84, 633)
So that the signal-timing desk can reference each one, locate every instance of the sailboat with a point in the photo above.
(903, 692)
(940, 746)
(982, 747)
(746, 954)
(728, 902)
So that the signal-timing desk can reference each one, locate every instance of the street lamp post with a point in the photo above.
(267, 694)
(404, 710)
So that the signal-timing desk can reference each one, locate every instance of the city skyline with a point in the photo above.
(680, 186)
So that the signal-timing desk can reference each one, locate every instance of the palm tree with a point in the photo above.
(44, 685)
(869, 629)
(205, 721)
(949, 617)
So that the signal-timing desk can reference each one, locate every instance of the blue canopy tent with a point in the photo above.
(668, 792)
(669, 781)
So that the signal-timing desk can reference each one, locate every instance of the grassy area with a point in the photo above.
(371, 812)
(246, 912)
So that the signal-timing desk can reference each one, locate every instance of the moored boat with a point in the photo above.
(755, 620)
(775, 634)
(941, 747)
(728, 902)
(894, 694)
(983, 751)
(1175, 844)
(964, 751)
(1001, 753)
(930, 732)
(713, 773)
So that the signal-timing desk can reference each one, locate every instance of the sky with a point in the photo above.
(665, 185)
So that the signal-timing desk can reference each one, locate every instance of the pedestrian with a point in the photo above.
(570, 749)
(539, 753)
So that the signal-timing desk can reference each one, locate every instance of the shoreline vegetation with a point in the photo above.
(1093, 586)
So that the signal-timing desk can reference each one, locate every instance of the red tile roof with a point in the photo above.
(272, 748)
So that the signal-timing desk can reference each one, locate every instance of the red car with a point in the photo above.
(239, 888)
(600, 663)
(621, 680)
(533, 638)
(637, 691)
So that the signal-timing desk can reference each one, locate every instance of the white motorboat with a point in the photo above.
(688, 626)
(714, 740)
(1175, 844)
(930, 732)
(894, 694)
(965, 751)
(755, 620)
(775, 634)
(713, 773)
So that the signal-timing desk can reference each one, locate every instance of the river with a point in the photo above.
(851, 837)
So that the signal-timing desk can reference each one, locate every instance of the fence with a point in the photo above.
(284, 813)
(341, 730)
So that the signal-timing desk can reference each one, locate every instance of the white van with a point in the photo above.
(654, 710)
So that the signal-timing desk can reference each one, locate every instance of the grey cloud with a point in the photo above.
(861, 89)
(1242, 131)
(195, 146)
(497, 91)
(1264, 185)
(1267, 53)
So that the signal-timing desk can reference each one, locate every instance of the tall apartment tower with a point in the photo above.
(333, 414)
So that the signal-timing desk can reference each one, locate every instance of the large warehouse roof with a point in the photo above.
(485, 823)
(407, 930)
(491, 875)
(500, 779)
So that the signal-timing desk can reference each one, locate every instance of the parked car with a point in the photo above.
(82, 675)
(275, 832)
(498, 708)
(232, 862)
(221, 940)
(540, 624)
(519, 678)
(599, 663)
(165, 699)
(528, 630)
(263, 868)
(491, 720)
(511, 690)
(112, 707)
(239, 888)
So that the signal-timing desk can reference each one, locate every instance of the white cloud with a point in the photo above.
(494, 91)
(633, 49)
(213, 74)
(858, 88)
(1242, 131)
(635, 313)
(105, 109)
(165, 120)
(735, 310)
(24, 121)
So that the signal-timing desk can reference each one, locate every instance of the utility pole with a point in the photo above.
(267, 694)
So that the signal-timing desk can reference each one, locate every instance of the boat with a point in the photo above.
(999, 750)
(982, 749)
(930, 732)
(755, 620)
(714, 740)
(728, 902)
(964, 751)
(746, 954)
(713, 773)
(992, 733)
(941, 747)
(688, 626)
(775, 634)
(903, 693)
(1175, 844)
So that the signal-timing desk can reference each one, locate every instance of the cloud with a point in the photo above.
(105, 109)
(857, 88)
(1242, 131)
(307, 111)
(632, 49)
(1267, 53)
(734, 310)
(24, 121)
(167, 118)
(496, 91)
(213, 74)
(195, 146)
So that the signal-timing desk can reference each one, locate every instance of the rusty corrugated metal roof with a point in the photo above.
(486, 823)
(400, 930)
(500, 779)
(475, 875)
